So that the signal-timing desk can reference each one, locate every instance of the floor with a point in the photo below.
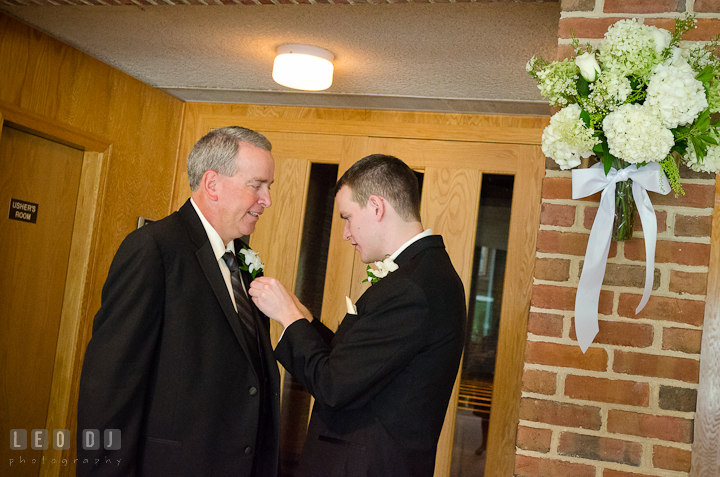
(468, 459)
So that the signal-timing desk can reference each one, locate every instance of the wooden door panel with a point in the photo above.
(449, 207)
(339, 281)
(421, 154)
(33, 267)
(277, 237)
(524, 224)
(283, 219)
(450, 199)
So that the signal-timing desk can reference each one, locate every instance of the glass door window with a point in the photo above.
(481, 339)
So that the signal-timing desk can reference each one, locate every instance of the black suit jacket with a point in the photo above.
(168, 364)
(383, 383)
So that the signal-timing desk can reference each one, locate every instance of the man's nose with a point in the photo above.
(265, 200)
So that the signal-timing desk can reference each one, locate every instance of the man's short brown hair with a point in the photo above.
(387, 177)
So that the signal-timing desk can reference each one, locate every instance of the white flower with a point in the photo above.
(589, 68)
(383, 268)
(251, 261)
(662, 38)
(557, 82)
(674, 95)
(698, 56)
(567, 139)
(711, 161)
(675, 55)
(530, 64)
(635, 134)
(608, 92)
(629, 48)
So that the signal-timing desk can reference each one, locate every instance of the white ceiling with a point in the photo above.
(463, 57)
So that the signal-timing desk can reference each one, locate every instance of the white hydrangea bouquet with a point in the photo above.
(638, 98)
(641, 103)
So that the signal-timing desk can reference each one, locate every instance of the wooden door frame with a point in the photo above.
(493, 130)
(463, 127)
(706, 446)
(79, 277)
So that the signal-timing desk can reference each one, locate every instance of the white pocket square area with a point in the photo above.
(350, 307)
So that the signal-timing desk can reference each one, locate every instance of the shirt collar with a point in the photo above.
(216, 241)
(423, 234)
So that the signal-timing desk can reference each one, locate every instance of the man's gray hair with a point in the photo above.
(217, 151)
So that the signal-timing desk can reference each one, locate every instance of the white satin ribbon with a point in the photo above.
(586, 182)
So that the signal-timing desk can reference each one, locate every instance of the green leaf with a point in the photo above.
(585, 116)
(680, 147)
(680, 131)
(703, 121)
(700, 148)
(598, 148)
(706, 74)
(708, 139)
(583, 87)
(607, 164)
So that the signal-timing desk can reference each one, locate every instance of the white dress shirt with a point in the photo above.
(423, 234)
(219, 248)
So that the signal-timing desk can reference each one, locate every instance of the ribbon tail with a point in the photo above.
(649, 224)
(593, 272)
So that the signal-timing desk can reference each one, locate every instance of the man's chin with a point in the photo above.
(247, 229)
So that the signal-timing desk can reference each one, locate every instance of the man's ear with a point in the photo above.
(377, 206)
(209, 185)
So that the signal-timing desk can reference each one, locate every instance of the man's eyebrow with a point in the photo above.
(261, 180)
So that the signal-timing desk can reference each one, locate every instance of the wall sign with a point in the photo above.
(23, 211)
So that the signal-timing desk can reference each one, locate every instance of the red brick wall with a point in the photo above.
(626, 407)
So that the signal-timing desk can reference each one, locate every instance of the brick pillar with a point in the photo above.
(626, 407)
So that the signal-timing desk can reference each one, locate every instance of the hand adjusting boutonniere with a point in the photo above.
(383, 268)
(250, 262)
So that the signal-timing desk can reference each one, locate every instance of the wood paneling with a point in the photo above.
(33, 266)
(524, 224)
(341, 255)
(129, 133)
(450, 208)
(201, 117)
(281, 257)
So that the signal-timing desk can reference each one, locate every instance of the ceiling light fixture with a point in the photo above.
(303, 67)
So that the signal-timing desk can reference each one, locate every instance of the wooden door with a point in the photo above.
(33, 266)
(450, 197)
(451, 194)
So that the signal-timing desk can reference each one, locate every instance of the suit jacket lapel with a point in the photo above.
(262, 328)
(418, 246)
(209, 265)
(408, 254)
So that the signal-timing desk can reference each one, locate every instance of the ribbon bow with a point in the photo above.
(586, 182)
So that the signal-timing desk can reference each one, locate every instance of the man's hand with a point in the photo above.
(276, 302)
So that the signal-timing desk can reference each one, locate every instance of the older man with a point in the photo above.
(180, 361)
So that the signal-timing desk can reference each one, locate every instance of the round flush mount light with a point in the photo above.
(303, 67)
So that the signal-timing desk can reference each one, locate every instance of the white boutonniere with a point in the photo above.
(250, 262)
(381, 270)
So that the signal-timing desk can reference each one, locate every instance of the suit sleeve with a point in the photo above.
(118, 359)
(323, 331)
(376, 347)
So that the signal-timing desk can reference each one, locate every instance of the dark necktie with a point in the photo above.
(242, 301)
